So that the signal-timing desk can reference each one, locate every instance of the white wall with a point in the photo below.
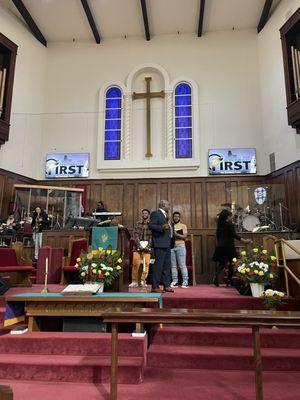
(278, 137)
(223, 64)
(21, 154)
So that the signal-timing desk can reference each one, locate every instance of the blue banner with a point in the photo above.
(105, 236)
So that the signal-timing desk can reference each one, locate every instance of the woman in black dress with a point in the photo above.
(225, 250)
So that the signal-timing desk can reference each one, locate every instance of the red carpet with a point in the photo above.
(169, 384)
(182, 361)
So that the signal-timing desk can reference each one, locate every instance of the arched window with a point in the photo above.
(183, 121)
(113, 124)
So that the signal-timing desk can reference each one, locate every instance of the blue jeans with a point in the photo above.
(178, 258)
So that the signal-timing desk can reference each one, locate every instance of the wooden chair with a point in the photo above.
(76, 246)
(18, 272)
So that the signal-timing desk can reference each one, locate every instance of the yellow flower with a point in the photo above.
(255, 271)
(261, 273)
(234, 260)
(271, 276)
(94, 271)
(243, 271)
(280, 294)
(255, 250)
(264, 252)
(95, 252)
(108, 252)
(119, 267)
(82, 273)
(89, 256)
(248, 269)
(100, 249)
(107, 273)
(119, 260)
(78, 259)
(243, 253)
(273, 258)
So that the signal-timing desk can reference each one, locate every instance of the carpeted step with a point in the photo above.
(226, 358)
(168, 384)
(71, 343)
(69, 368)
(224, 336)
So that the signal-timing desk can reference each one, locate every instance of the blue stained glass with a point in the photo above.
(113, 92)
(183, 100)
(183, 133)
(112, 114)
(113, 124)
(183, 148)
(183, 88)
(112, 150)
(183, 122)
(112, 135)
(183, 111)
(113, 103)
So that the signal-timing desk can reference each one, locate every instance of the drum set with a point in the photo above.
(256, 219)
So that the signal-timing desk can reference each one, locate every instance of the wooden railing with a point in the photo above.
(280, 244)
(249, 318)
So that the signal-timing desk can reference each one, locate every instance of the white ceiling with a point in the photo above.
(65, 20)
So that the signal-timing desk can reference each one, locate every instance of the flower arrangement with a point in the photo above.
(99, 266)
(272, 298)
(255, 266)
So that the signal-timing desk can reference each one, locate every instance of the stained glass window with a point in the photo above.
(113, 124)
(183, 121)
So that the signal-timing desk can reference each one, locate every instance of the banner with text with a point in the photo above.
(231, 161)
(67, 165)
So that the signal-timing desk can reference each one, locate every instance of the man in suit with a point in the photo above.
(161, 241)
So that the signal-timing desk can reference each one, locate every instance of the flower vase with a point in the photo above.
(257, 289)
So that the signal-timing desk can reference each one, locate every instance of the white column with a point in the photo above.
(127, 126)
(169, 123)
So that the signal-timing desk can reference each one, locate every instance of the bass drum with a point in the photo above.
(250, 222)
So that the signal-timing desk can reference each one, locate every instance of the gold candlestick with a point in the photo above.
(46, 290)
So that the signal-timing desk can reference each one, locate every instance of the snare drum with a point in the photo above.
(250, 222)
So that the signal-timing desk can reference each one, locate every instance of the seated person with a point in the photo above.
(10, 226)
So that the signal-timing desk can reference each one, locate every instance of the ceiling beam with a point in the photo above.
(91, 20)
(201, 17)
(145, 18)
(29, 21)
(264, 15)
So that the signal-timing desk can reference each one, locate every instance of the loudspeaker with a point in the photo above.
(4, 286)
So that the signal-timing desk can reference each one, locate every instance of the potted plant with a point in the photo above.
(101, 266)
(273, 298)
(256, 267)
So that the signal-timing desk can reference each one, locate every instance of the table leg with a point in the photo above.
(114, 362)
(257, 363)
(33, 325)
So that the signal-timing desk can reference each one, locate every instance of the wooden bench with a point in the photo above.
(249, 318)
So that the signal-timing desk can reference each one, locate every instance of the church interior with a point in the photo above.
(149, 199)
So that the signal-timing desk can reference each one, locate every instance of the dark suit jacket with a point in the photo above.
(161, 238)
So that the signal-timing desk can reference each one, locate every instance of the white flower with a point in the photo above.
(102, 265)
(85, 268)
(94, 265)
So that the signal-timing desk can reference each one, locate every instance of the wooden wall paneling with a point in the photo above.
(129, 205)
(95, 196)
(163, 192)
(216, 195)
(181, 201)
(2, 184)
(297, 189)
(290, 194)
(198, 255)
(199, 209)
(112, 194)
(147, 196)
